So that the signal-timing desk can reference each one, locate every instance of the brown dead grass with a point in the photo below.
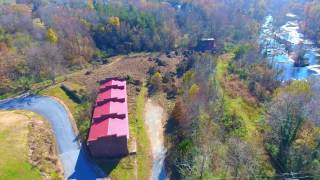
(234, 88)
(135, 66)
(42, 149)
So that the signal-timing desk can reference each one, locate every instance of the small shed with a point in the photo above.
(206, 44)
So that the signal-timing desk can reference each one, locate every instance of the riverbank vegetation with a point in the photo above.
(224, 129)
(311, 24)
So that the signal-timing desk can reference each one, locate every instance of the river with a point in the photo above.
(275, 42)
(76, 163)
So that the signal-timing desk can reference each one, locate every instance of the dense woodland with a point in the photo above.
(208, 136)
(62, 37)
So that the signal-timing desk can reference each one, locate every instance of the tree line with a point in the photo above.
(43, 39)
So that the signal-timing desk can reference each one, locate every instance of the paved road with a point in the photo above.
(76, 163)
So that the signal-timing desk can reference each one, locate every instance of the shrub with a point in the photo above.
(72, 94)
(194, 90)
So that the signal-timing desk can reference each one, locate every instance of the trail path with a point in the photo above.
(154, 117)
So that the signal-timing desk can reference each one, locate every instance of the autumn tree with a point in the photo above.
(179, 114)
(242, 159)
(155, 82)
(45, 62)
(194, 90)
(288, 114)
(52, 36)
(114, 21)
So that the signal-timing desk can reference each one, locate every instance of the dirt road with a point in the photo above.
(154, 117)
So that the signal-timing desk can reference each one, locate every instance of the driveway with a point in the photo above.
(76, 162)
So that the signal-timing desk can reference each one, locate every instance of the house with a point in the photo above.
(109, 132)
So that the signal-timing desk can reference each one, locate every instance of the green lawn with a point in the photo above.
(14, 148)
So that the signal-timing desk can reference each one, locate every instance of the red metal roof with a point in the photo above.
(110, 116)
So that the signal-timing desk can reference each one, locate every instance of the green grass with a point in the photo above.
(143, 151)
(14, 152)
(119, 169)
(7, 95)
(34, 87)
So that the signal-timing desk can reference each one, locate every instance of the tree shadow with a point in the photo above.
(171, 127)
(108, 165)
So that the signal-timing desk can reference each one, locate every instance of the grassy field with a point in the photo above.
(143, 154)
(16, 139)
(14, 148)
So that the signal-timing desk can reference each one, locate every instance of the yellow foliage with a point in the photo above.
(90, 4)
(296, 88)
(115, 21)
(52, 36)
(194, 90)
(157, 76)
(308, 136)
(188, 76)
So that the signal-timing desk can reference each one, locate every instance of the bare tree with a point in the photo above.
(45, 61)
(242, 159)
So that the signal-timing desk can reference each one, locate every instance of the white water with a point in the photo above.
(271, 40)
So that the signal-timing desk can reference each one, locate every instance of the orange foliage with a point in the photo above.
(234, 87)
(179, 113)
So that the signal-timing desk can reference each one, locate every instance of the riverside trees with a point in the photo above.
(293, 138)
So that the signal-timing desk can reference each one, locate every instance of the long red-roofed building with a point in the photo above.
(109, 132)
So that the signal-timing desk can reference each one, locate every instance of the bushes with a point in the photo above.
(72, 94)
(83, 119)
(233, 125)
(155, 83)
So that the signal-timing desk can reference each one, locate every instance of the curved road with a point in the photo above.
(76, 163)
